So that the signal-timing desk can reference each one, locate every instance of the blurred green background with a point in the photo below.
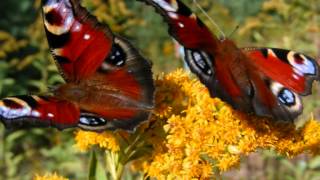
(27, 67)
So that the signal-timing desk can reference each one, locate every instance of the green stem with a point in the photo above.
(111, 164)
(120, 169)
(117, 160)
(115, 166)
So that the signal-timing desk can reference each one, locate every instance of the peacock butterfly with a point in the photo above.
(265, 81)
(109, 84)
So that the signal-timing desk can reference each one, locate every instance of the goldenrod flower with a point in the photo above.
(53, 176)
(105, 140)
(195, 136)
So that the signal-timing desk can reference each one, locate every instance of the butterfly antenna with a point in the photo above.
(234, 30)
(210, 19)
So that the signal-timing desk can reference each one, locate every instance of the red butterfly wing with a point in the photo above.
(293, 70)
(109, 84)
(249, 80)
(195, 37)
(203, 51)
(23, 111)
(286, 75)
(107, 77)
(78, 42)
(184, 26)
(121, 91)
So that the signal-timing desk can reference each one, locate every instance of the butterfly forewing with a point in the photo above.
(184, 26)
(294, 70)
(78, 42)
(37, 111)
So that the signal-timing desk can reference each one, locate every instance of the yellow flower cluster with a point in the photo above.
(195, 136)
(105, 140)
(53, 176)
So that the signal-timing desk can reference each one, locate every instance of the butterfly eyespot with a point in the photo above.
(298, 59)
(58, 18)
(286, 97)
(54, 18)
(91, 121)
(199, 60)
(117, 57)
(12, 104)
(17, 107)
(302, 64)
(28, 101)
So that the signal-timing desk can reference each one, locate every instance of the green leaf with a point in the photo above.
(288, 165)
(96, 171)
(315, 163)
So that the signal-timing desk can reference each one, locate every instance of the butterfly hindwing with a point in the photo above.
(272, 99)
(289, 103)
(125, 90)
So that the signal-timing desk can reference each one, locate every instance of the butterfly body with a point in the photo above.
(264, 81)
(108, 85)
(107, 99)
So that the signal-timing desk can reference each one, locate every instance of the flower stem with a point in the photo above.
(120, 169)
(115, 166)
(112, 164)
(116, 161)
